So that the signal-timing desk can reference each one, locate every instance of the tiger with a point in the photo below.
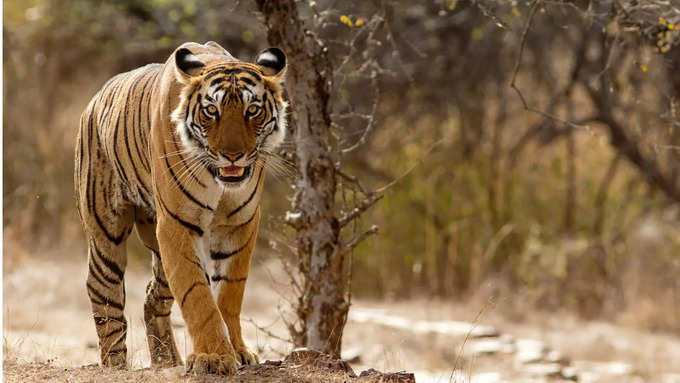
(179, 151)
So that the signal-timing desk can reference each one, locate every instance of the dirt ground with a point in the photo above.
(301, 366)
(48, 334)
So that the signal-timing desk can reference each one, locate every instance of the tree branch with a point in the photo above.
(349, 246)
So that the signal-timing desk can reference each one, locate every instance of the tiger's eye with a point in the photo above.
(211, 110)
(253, 109)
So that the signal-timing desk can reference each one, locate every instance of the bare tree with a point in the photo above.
(324, 296)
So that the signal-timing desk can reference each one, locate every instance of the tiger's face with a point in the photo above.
(231, 115)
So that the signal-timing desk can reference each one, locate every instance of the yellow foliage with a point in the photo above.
(346, 20)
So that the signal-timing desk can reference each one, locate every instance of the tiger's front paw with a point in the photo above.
(202, 363)
(244, 356)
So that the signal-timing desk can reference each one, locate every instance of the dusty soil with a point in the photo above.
(298, 367)
(48, 335)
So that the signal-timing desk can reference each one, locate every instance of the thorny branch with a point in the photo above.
(354, 242)
(266, 331)
(370, 118)
(518, 63)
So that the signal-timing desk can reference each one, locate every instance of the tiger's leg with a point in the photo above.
(106, 289)
(212, 352)
(230, 280)
(158, 302)
(107, 228)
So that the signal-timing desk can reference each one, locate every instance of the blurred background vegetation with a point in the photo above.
(570, 203)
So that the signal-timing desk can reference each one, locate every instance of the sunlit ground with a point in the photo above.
(47, 319)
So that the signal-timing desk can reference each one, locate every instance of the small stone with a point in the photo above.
(617, 368)
(301, 354)
(529, 351)
(390, 377)
(529, 356)
(352, 355)
(604, 368)
(588, 377)
(506, 338)
(570, 373)
(554, 356)
(484, 347)
(543, 369)
(369, 372)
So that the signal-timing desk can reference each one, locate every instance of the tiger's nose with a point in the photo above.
(233, 156)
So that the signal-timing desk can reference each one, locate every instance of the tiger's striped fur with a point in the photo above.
(179, 151)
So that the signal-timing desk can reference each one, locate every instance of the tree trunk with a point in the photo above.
(322, 308)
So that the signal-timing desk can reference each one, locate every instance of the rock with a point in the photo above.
(528, 356)
(490, 346)
(570, 373)
(604, 368)
(318, 359)
(529, 351)
(588, 377)
(506, 338)
(554, 356)
(352, 355)
(543, 369)
(302, 354)
(484, 347)
(390, 377)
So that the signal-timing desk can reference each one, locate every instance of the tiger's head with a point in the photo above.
(231, 114)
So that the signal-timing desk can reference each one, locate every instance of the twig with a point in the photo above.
(518, 62)
(351, 179)
(349, 246)
(364, 205)
(370, 29)
(407, 172)
(371, 117)
(500, 23)
(391, 39)
(266, 331)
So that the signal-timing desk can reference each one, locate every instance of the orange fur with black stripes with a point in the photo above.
(179, 150)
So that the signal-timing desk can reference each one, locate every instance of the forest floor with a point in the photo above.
(48, 335)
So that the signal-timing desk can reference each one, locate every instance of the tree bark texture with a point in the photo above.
(322, 308)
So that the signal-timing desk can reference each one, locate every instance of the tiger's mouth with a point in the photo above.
(232, 174)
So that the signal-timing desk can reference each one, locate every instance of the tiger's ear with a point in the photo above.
(273, 62)
(188, 65)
